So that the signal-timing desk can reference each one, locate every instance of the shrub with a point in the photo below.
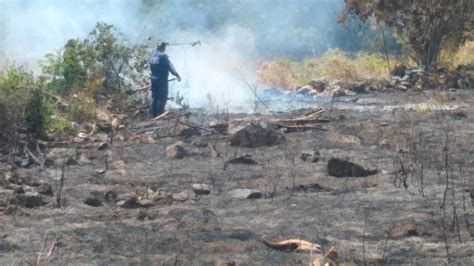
(331, 66)
(22, 105)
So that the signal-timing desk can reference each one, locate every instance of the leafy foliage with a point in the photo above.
(99, 64)
(427, 26)
(22, 107)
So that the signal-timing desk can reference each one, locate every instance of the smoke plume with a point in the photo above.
(235, 36)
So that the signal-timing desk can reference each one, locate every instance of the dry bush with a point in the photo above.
(331, 66)
(463, 56)
(280, 73)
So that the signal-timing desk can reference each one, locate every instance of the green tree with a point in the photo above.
(426, 26)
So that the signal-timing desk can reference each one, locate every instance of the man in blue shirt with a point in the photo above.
(160, 66)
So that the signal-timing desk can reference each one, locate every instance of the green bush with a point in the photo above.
(22, 105)
(103, 56)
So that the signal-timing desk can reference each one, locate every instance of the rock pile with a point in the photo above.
(401, 78)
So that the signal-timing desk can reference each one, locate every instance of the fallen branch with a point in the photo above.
(34, 158)
(299, 127)
(254, 91)
(293, 245)
(58, 99)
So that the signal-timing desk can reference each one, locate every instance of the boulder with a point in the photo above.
(345, 168)
(28, 200)
(245, 193)
(176, 151)
(256, 134)
(93, 201)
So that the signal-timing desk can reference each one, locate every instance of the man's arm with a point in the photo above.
(173, 70)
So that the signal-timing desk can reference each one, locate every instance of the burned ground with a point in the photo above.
(409, 212)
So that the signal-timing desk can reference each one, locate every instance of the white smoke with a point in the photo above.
(234, 34)
(214, 73)
(29, 29)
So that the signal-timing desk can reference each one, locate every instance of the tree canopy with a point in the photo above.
(426, 26)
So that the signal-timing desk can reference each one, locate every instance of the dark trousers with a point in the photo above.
(159, 93)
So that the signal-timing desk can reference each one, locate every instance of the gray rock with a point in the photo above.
(28, 200)
(310, 156)
(93, 201)
(245, 193)
(184, 195)
(45, 189)
(345, 168)
(202, 189)
(176, 151)
(256, 134)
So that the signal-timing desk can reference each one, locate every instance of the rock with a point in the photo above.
(200, 142)
(100, 170)
(102, 146)
(115, 122)
(183, 195)
(318, 84)
(82, 135)
(405, 230)
(307, 91)
(110, 196)
(45, 189)
(176, 151)
(187, 132)
(28, 200)
(369, 184)
(71, 162)
(118, 164)
(345, 168)
(244, 193)
(93, 201)
(19, 190)
(202, 189)
(310, 156)
(256, 134)
(224, 263)
(245, 159)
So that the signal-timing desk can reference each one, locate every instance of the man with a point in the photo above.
(160, 66)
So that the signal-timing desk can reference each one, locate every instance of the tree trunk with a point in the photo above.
(430, 56)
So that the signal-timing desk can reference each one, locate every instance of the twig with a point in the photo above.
(254, 91)
(386, 53)
(61, 184)
(52, 248)
(36, 159)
